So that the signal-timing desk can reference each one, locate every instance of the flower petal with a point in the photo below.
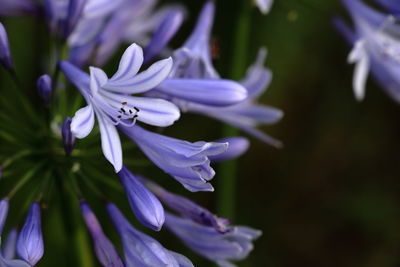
(83, 122)
(214, 92)
(144, 81)
(130, 63)
(110, 143)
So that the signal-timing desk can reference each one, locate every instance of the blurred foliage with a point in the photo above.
(330, 197)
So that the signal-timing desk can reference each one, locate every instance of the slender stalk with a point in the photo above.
(227, 172)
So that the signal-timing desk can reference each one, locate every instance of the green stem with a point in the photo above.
(227, 172)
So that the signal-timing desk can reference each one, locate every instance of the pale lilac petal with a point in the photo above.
(130, 63)
(360, 57)
(237, 147)
(110, 143)
(77, 77)
(264, 5)
(83, 122)
(97, 79)
(213, 92)
(144, 81)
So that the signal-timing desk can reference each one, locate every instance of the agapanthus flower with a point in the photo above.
(206, 241)
(5, 262)
(248, 114)
(44, 87)
(4, 205)
(146, 207)
(194, 84)
(376, 48)
(8, 250)
(30, 240)
(5, 53)
(105, 250)
(110, 101)
(67, 135)
(186, 162)
(264, 5)
(141, 249)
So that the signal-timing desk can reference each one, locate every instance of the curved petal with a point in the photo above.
(144, 81)
(83, 122)
(214, 92)
(130, 63)
(77, 77)
(110, 143)
(97, 79)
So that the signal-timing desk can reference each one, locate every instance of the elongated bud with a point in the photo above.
(9, 246)
(237, 147)
(146, 207)
(5, 54)
(68, 137)
(189, 209)
(30, 240)
(75, 9)
(3, 213)
(105, 250)
(164, 33)
(44, 87)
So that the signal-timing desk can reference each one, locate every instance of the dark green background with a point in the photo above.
(328, 198)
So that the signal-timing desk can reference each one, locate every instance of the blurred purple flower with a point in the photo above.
(391, 5)
(141, 249)
(17, 7)
(376, 48)
(4, 205)
(146, 207)
(30, 240)
(221, 248)
(8, 250)
(5, 53)
(67, 135)
(186, 162)
(105, 250)
(110, 101)
(44, 87)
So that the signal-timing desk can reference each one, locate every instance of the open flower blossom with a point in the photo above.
(186, 162)
(141, 249)
(376, 48)
(110, 101)
(194, 84)
(221, 248)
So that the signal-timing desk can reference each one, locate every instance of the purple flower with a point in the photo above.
(237, 147)
(17, 7)
(68, 137)
(376, 48)
(110, 100)
(75, 10)
(221, 248)
(4, 205)
(30, 240)
(5, 54)
(164, 33)
(6, 262)
(146, 207)
(105, 250)
(8, 250)
(391, 5)
(44, 87)
(264, 5)
(247, 115)
(141, 249)
(187, 162)
(189, 209)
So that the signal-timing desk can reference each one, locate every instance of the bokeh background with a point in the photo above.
(330, 197)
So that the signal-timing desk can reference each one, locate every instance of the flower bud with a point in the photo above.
(44, 88)
(68, 137)
(30, 240)
(146, 207)
(3, 213)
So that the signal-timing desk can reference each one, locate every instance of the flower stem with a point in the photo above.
(227, 172)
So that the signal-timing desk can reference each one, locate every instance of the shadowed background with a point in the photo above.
(330, 196)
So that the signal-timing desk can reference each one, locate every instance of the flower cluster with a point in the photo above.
(152, 87)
